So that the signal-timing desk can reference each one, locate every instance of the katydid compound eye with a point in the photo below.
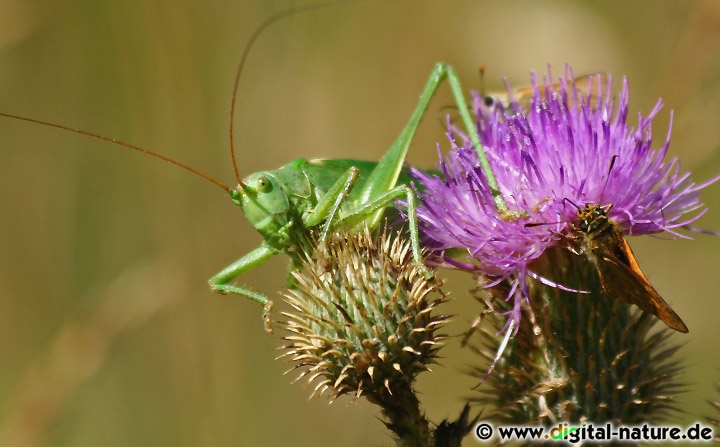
(263, 184)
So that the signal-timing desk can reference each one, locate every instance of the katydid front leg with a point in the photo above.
(219, 282)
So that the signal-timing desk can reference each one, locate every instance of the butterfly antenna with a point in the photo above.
(120, 143)
(246, 52)
(607, 178)
(577, 207)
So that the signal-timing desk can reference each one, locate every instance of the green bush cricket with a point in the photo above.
(285, 204)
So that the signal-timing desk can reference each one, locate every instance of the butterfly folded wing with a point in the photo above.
(622, 278)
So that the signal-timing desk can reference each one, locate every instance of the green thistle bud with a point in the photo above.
(363, 320)
(364, 324)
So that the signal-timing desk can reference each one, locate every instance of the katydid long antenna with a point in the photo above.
(243, 58)
(120, 143)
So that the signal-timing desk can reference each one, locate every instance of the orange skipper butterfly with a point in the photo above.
(620, 276)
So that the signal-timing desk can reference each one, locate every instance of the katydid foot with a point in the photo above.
(226, 289)
(427, 273)
(267, 316)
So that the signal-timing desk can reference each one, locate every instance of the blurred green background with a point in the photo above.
(108, 332)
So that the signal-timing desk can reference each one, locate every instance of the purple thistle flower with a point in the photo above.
(570, 146)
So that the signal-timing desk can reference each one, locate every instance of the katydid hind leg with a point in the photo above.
(219, 282)
(385, 175)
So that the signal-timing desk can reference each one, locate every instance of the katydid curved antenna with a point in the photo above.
(243, 58)
(121, 143)
(248, 46)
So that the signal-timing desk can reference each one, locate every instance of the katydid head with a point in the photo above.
(264, 201)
